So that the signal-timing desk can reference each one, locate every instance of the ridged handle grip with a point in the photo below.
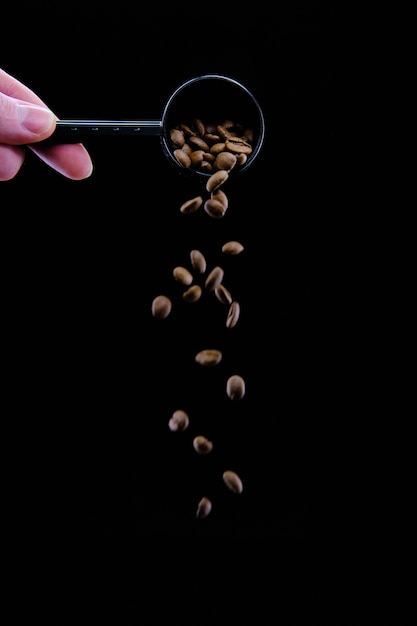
(74, 131)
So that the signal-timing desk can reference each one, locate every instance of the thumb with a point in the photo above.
(22, 122)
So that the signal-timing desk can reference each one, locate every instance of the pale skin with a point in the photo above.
(26, 120)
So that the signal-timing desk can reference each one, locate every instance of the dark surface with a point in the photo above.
(97, 376)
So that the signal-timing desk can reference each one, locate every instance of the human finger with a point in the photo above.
(23, 123)
(12, 87)
(11, 160)
(71, 160)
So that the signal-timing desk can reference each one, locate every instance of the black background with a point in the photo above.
(97, 377)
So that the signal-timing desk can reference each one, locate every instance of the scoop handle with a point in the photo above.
(74, 131)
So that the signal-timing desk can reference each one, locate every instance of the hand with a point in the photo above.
(24, 121)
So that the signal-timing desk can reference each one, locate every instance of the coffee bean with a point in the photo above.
(225, 161)
(202, 445)
(209, 357)
(187, 130)
(161, 307)
(199, 143)
(218, 147)
(216, 180)
(203, 508)
(238, 146)
(218, 194)
(197, 158)
(232, 247)
(188, 150)
(232, 481)
(214, 278)
(206, 166)
(249, 135)
(192, 205)
(179, 421)
(199, 127)
(233, 314)
(235, 387)
(182, 275)
(193, 293)
(214, 208)
(182, 157)
(222, 294)
(177, 137)
(198, 261)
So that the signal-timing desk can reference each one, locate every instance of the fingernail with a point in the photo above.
(35, 119)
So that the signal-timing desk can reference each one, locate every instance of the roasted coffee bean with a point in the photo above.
(182, 275)
(249, 135)
(211, 138)
(225, 161)
(206, 166)
(197, 157)
(216, 180)
(208, 156)
(193, 293)
(199, 127)
(211, 127)
(235, 387)
(198, 261)
(214, 208)
(177, 137)
(235, 132)
(182, 157)
(161, 307)
(188, 149)
(218, 147)
(214, 279)
(223, 132)
(202, 445)
(198, 143)
(238, 147)
(190, 206)
(187, 130)
(209, 357)
(201, 159)
(229, 125)
(203, 508)
(219, 195)
(179, 421)
(232, 481)
(222, 294)
(232, 247)
(233, 314)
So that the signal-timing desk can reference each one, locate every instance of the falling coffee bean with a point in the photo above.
(179, 421)
(161, 307)
(202, 445)
(235, 387)
(203, 508)
(232, 481)
(209, 357)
